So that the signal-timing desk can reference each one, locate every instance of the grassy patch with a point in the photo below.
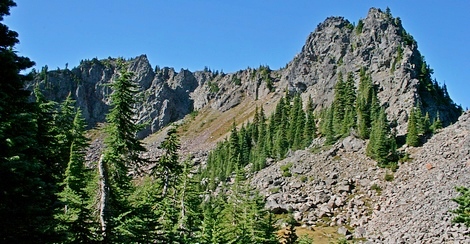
(317, 234)
(376, 188)
(389, 177)
(286, 169)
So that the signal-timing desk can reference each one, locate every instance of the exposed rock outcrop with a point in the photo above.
(379, 44)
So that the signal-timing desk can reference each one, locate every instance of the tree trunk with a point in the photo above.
(104, 195)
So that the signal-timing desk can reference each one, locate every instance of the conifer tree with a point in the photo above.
(64, 122)
(212, 226)
(290, 235)
(382, 145)
(234, 148)
(412, 136)
(349, 108)
(310, 129)
(463, 210)
(168, 167)
(25, 205)
(436, 124)
(291, 119)
(120, 155)
(364, 104)
(75, 214)
(189, 218)
(426, 124)
(255, 126)
(281, 144)
(338, 105)
(245, 145)
(299, 122)
(419, 120)
(329, 129)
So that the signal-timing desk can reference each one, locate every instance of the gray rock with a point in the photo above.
(343, 231)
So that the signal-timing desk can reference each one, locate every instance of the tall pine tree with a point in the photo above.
(25, 187)
(120, 156)
(75, 215)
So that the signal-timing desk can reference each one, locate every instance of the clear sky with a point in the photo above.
(228, 35)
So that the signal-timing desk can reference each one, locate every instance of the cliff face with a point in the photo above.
(378, 43)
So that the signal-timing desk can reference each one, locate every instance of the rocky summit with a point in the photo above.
(336, 185)
(378, 43)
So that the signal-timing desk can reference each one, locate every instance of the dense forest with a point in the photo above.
(49, 194)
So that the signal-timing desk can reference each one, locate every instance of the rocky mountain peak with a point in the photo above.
(377, 43)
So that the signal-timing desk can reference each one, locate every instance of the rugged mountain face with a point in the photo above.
(337, 185)
(378, 43)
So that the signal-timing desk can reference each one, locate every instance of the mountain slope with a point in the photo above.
(415, 206)
(335, 185)
(378, 43)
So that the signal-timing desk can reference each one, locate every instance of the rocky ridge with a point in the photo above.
(336, 46)
(337, 185)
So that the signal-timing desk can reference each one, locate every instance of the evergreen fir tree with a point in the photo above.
(349, 108)
(364, 103)
(290, 235)
(412, 136)
(26, 196)
(338, 105)
(120, 155)
(382, 145)
(189, 219)
(168, 167)
(291, 120)
(281, 144)
(299, 125)
(436, 124)
(329, 129)
(310, 129)
(463, 210)
(75, 215)
(234, 148)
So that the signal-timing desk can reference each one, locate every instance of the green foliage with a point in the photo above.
(376, 188)
(462, 212)
(436, 124)
(286, 169)
(412, 136)
(398, 58)
(328, 129)
(366, 103)
(120, 156)
(27, 184)
(344, 112)
(310, 127)
(290, 235)
(388, 177)
(359, 27)
(418, 127)
(237, 81)
(382, 145)
(265, 73)
(75, 215)
(168, 169)
(213, 87)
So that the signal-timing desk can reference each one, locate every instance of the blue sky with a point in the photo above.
(227, 35)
